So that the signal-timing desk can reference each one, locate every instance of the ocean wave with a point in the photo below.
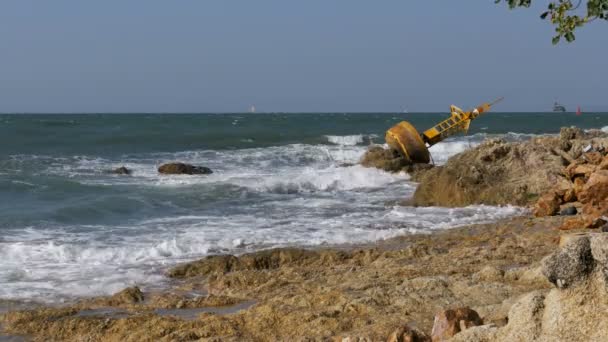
(65, 267)
(330, 179)
(346, 140)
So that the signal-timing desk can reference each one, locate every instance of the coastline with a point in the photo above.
(321, 293)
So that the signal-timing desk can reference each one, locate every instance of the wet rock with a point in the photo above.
(121, 171)
(450, 322)
(130, 295)
(569, 265)
(384, 159)
(262, 260)
(183, 169)
(568, 211)
(407, 334)
(213, 264)
(547, 205)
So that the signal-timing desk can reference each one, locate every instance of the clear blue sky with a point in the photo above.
(284, 55)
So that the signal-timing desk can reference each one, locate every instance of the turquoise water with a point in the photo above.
(70, 229)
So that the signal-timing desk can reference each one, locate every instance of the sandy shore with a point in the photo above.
(320, 294)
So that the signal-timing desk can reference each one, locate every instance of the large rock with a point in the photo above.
(384, 159)
(579, 170)
(450, 322)
(596, 188)
(495, 172)
(574, 314)
(571, 264)
(183, 169)
(547, 205)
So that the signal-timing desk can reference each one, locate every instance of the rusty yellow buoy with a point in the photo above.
(414, 147)
(406, 140)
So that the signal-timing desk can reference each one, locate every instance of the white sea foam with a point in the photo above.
(604, 129)
(347, 140)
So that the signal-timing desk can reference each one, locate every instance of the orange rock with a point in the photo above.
(569, 196)
(579, 170)
(578, 185)
(407, 334)
(604, 164)
(547, 205)
(596, 188)
(450, 322)
(573, 223)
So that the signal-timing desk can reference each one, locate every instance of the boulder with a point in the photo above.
(407, 334)
(573, 223)
(547, 205)
(569, 265)
(494, 173)
(384, 159)
(575, 170)
(450, 322)
(596, 188)
(183, 169)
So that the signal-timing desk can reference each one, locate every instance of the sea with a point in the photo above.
(69, 229)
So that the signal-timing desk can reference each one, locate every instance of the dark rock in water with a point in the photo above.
(387, 160)
(183, 169)
(568, 211)
(121, 171)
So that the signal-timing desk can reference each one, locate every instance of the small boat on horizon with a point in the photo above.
(558, 108)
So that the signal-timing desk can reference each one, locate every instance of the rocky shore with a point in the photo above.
(520, 279)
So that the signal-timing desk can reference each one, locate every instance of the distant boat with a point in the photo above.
(252, 109)
(578, 110)
(558, 108)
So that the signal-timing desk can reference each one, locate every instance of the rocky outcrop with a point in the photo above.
(583, 188)
(183, 169)
(499, 173)
(495, 172)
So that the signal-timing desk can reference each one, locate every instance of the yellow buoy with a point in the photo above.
(413, 146)
(405, 139)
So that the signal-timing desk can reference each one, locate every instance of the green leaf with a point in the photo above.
(555, 40)
(569, 37)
